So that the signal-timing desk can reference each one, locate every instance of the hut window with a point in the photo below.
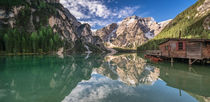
(180, 46)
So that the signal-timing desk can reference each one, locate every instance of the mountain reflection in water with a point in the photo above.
(129, 78)
(98, 78)
(129, 69)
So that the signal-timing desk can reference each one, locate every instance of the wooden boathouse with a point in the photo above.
(192, 49)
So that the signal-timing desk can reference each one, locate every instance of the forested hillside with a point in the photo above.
(194, 22)
(42, 26)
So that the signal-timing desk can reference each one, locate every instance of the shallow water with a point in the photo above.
(98, 78)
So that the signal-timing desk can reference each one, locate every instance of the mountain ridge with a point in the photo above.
(130, 32)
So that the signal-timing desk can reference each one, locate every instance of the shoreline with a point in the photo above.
(20, 54)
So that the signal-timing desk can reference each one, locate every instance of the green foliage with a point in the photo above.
(44, 12)
(151, 45)
(51, 44)
(10, 3)
(23, 17)
(44, 40)
(121, 50)
(18, 40)
(80, 47)
(6, 41)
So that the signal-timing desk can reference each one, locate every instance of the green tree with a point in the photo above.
(23, 45)
(51, 44)
(6, 41)
(34, 38)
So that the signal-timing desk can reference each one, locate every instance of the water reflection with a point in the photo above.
(126, 77)
(193, 80)
(98, 78)
(43, 78)
(129, 69)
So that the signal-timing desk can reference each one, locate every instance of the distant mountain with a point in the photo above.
(131, 32)
(194, 22)
(42, 26)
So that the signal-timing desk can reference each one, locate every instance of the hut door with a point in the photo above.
(194, 50)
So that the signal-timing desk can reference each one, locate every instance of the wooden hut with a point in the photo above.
(196, 49)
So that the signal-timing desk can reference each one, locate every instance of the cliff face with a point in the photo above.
(30, 16)
(131, 32)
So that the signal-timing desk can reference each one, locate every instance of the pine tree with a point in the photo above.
(23, 45)
(6, 41)
(51, 44)
(34, 41)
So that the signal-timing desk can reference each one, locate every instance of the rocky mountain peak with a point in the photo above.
(147, 19)
(107, 32)
(112, 26)
(130, 32)
(129, 20)
(131, 17)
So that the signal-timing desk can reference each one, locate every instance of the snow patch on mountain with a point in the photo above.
(149, 35)
(131, 21)
(164, 23)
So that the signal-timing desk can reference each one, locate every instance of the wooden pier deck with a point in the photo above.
(192, 49)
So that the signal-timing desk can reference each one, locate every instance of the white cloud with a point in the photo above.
(96, 22)
(127, 11)
(96, 13)
(86, 8)
(98, 88)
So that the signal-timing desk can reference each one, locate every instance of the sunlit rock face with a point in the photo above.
(129, 69)
(131, 32)
(107, 33)
(203, 8)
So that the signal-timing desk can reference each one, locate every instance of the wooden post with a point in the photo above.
(190, 62)
(180, 92)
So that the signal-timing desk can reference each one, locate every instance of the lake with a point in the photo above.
(100, 78)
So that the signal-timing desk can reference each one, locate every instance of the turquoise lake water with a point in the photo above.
(99, 78)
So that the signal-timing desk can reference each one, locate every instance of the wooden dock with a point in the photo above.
(191, 49)
(153, 52)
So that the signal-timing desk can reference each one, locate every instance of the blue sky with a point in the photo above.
(99, 13)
